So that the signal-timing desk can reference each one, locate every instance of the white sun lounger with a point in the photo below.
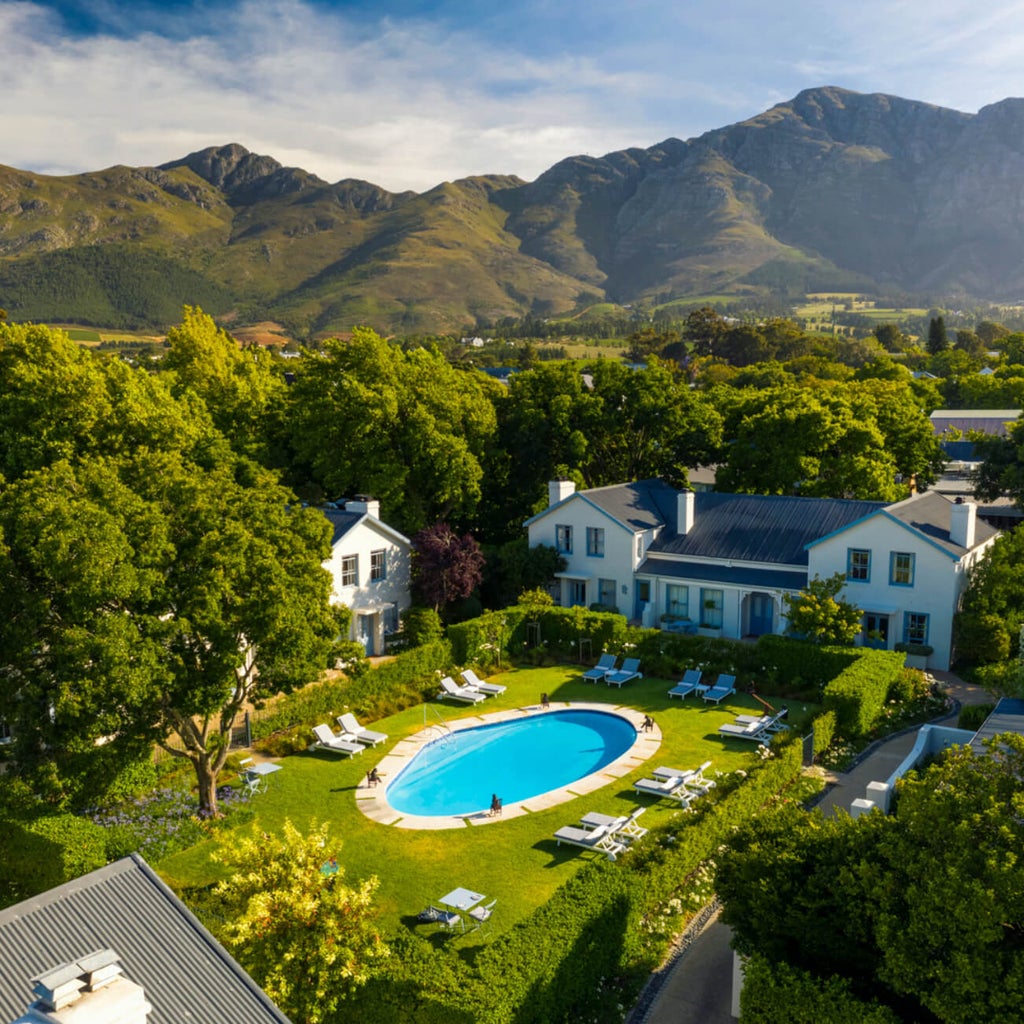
(620, 828)
(354, 731)
(470, 678)
(596, 839)
(326, 740)
(449, 688)
(673, 787)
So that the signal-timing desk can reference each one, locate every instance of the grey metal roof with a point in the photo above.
(736, 575)
(1008, 716)
(988, 421)
(186, 975)
(641, 505)
(341, 522)
(760, 527)
(930, 513)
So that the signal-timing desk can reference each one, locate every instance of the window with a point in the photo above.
(563, 539)
(606, 593)
(350, 570)
(577, 592)
(595, 541)
(901, 569)
(711, 602)
(677, 601)
(378, 565)
(391, 618)
(858, 565)
(915, 628)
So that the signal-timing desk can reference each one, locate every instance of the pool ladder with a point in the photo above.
(442, 727)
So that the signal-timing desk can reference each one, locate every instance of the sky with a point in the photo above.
(408, 94)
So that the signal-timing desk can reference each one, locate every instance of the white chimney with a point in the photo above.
(365, 504)
(559, 490)
(91, 990)
(686, 502)
(963, 518)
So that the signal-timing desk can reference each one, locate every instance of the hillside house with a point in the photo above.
(720, 564)
(370, 565)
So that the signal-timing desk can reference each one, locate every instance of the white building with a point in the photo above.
(370, 567)
(720, 564)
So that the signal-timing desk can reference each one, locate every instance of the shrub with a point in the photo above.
(422, 626)
(824, 732)
(858, 693)
(973, 716)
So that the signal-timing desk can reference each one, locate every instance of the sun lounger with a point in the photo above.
(773, 723)
(696, 782)
(354, 731)
(605, 664)
(326, 740)
(630, 670)
(469, 677)
(449, 688)
(755, 730)
(690, 683)
(621, 829)
(596, 839)
(725, 686)
(673, 787)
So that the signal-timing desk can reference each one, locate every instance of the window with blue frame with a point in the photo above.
(350, 570)
(711, 605)
(677, 600)
(858, 565)
(915, 628)
(901, 568)
(378, 565)
(595, 541)
(563, 539)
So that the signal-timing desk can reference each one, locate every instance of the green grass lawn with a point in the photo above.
(515, 859)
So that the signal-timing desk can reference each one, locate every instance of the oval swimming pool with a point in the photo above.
(515, 760)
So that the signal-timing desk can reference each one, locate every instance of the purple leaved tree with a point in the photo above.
(445, 567)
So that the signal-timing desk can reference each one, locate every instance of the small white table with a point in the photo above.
(263, 768)
(461, 900)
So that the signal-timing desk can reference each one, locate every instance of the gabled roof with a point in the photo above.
(185, 973)
(638, 506)
(768, 528)
(345, 522)
(929, 514)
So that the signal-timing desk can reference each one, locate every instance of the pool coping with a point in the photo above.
(373, 803)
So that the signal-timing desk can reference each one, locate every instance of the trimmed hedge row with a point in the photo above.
(568, 960)
(775, 993)
(857, 695)
(410, 679)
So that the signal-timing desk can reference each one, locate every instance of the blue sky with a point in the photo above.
(406, 93)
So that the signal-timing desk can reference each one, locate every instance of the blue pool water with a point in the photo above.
(515, 760)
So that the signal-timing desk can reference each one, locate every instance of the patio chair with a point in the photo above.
(596, 839)
(482, 915)
(449, 688)
(354, 731)
(435, 915)
(630, 670)
(687, 685)
(326, 740)
(725, 686)
(252, 783)
(605, 664)
(621, 829)
(474, 682)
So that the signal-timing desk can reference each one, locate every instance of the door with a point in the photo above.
(762, 614)
(366, 633)
(643, 597)
(876, 630)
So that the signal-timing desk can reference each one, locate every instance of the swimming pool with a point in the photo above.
(517, 759)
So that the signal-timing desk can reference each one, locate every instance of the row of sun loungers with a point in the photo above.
(605, 671)
(473, 689)
(352, 739)
(725, 686)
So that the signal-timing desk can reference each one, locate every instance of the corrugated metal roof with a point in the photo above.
(185, 973)
(930, 513)
(736, 575)
(1008, 716)
(989, 421)
(760, 527)
(641, 505)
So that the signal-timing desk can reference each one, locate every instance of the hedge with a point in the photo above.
(857, 695)
(776, 993)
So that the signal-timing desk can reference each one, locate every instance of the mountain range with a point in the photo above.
(833, 190)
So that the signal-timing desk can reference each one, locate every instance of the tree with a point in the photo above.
(150, 597)
(445, 567)
(937, 338)
(818, 613)
(705, 327)
(308, 938)
(890, 337)
(1002, 467)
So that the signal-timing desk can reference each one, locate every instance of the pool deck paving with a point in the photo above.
(695, 987)
(372, 800)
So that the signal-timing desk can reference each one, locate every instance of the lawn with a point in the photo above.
(515, 859)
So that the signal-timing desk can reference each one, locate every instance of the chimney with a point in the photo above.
(559, 490)
(963, 518)
(91, 990)
(365, 504)
(685, 510)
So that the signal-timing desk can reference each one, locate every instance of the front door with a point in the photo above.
(762, 614)
(366, 633)
(876, 630)
(643, 597)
